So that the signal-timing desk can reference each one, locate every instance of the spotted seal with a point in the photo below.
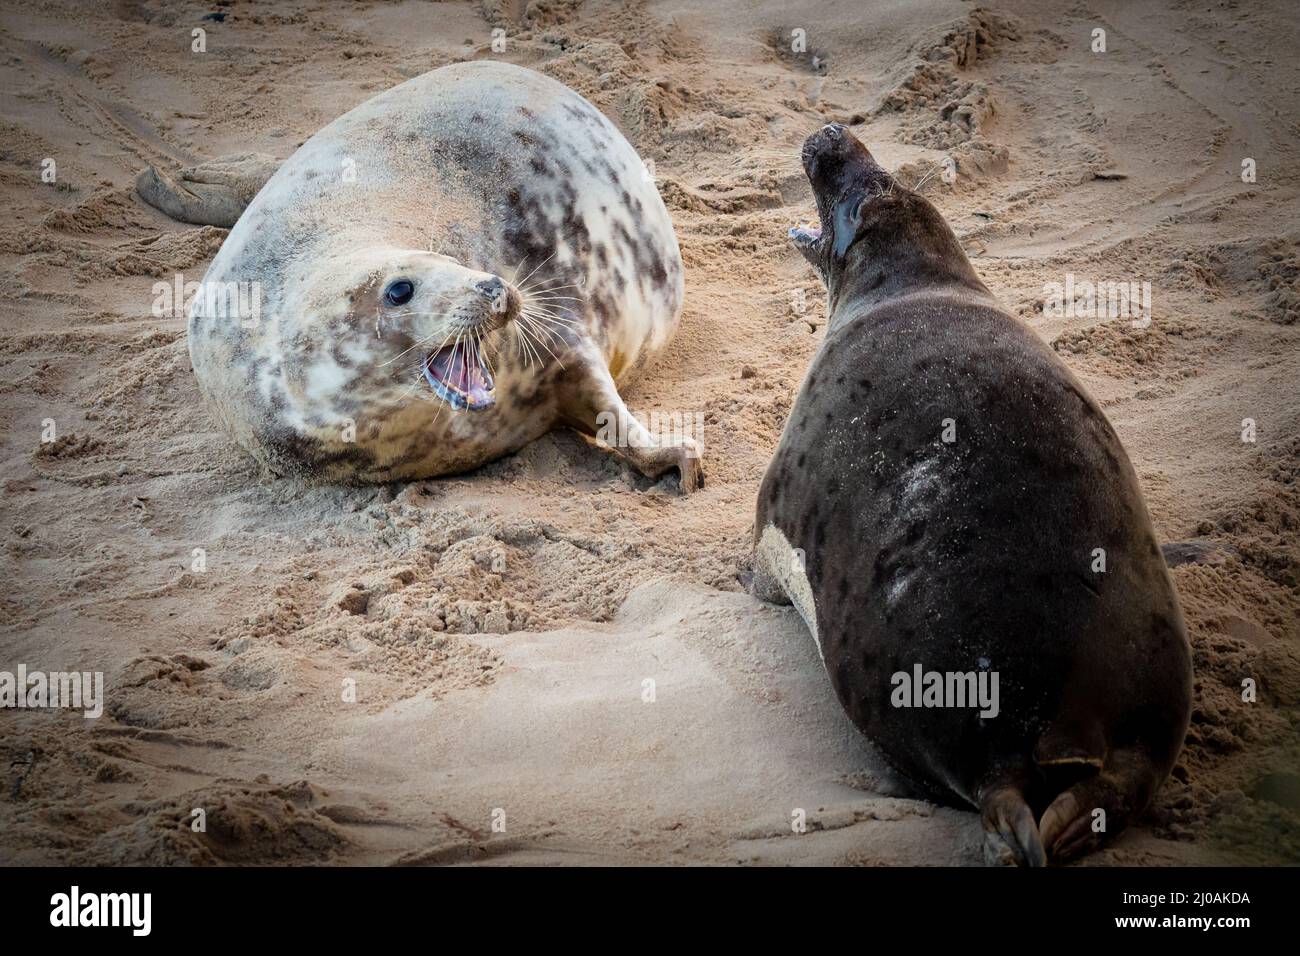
(946, 499)
(434, 279)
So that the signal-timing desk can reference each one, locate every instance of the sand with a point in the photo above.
(552, 660)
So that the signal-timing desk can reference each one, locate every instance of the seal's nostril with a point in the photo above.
(492, 288)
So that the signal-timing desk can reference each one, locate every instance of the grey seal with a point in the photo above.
(951, 512)
(436, 278)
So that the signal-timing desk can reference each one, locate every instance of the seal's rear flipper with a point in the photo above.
(213, 194)
(1082, 816)
(1010, 834)
(592, 406)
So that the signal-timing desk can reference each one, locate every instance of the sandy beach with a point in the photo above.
(499, 629)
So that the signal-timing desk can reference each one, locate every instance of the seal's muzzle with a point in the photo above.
(842, 173)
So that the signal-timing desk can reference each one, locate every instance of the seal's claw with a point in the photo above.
(682, 456)
(1010, 834)
(1080, 817)
(689, 468)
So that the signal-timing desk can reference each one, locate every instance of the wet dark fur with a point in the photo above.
(946, 554)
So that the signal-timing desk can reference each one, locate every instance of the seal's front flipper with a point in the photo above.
(1010, 834)
(775, 564)
(765, 587)
(213, 194)
(592, 406)
(1082, 816)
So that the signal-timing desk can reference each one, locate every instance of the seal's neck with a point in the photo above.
(900, 255)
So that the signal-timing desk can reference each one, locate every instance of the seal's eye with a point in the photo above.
(399, 292)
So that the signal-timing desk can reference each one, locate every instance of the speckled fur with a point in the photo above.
(474, 170)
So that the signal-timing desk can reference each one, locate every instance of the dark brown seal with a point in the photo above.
(956, 520)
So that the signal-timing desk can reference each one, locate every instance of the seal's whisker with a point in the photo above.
(541, 328)
(422, 341)
(550, 334)
(548, 309)
(548, 318)
(444, 401)
(553, 298)
(441, 345)
(492, 351)
(411, 349)
(532, 272)
(556, 318)
(553, 320)
(482, 355)
(410, 390)
(551, 288)
(525, 353)
(419, 314)
(924, 179)
(426, 339)
(525, 343)
(418, 369)
(531, 332)
(516, 269)
(517, 338)
(553, 284)
(536, 267)
(535, 344)
(558, 308)
(534, 292)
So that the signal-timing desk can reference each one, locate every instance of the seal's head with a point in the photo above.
(852, 191)
(370, 325)
(876, 238)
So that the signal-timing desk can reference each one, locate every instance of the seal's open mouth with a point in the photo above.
(805, 235)
(460, 377)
